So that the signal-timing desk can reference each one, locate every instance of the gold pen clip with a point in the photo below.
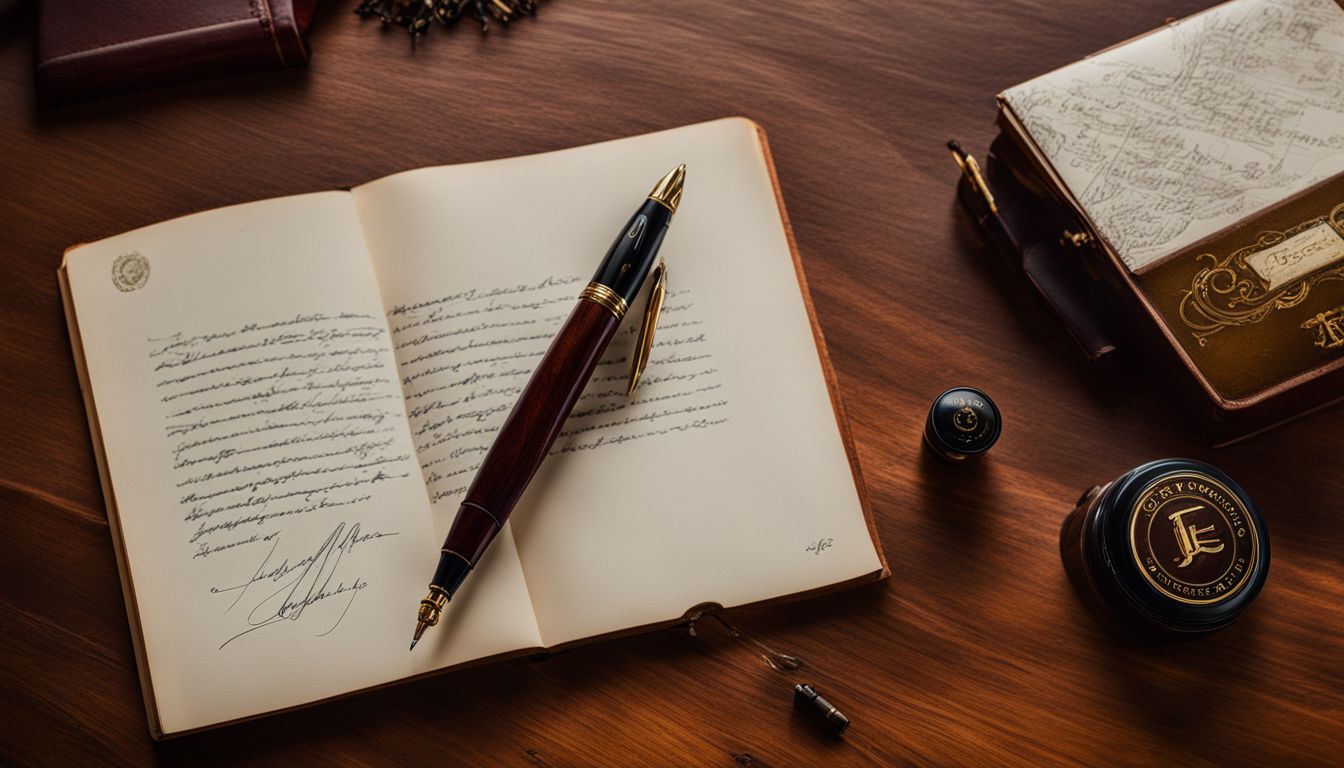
(651, 312)
(971, 169)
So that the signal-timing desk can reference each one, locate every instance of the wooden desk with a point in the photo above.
(974, 652)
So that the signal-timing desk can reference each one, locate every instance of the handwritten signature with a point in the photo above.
(819, 546)
(295, 587)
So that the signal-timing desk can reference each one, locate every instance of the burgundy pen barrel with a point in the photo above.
(556, 384)
(531, 428)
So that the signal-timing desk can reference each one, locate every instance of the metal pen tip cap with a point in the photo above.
(819, 710)
(668, 189)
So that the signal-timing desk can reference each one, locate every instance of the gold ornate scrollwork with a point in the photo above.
(1229, 292)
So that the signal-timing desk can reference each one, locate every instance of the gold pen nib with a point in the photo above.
(668, 189)
(431, 608)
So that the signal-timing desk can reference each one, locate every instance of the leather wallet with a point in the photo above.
(89, 48)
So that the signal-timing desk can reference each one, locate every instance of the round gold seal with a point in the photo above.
(1192, 538)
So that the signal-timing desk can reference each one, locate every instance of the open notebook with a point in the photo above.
(289, 397)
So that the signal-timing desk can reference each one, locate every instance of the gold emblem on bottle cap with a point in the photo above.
(1193, 539)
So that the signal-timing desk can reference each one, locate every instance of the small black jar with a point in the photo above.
(1172, 549)
(963, 424)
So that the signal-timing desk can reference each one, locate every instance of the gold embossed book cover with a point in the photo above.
(1204, 165)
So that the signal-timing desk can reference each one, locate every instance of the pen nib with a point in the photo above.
(420, 627)
(431, 608)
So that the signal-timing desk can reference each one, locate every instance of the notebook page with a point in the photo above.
(725, 478)
(273, 517)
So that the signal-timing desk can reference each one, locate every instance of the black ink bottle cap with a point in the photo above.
(1172, 549)
(963, 423)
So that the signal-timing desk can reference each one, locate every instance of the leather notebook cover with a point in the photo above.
(1249, 351)
(1220, 234)
(1033, 240)
(87, 48)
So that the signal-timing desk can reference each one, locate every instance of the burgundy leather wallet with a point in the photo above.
(89, 48)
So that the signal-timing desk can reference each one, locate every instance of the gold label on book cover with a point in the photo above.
(1275, 272)
(1295, 257)
(1193, 539)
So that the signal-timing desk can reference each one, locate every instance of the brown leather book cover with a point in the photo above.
(87, 49)
(1246, 351)
(1155, 171)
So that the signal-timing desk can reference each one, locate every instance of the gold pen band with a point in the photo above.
(601, 294)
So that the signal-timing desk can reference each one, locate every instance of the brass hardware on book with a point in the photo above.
(1076, 239)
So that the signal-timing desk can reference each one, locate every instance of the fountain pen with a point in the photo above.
(535, 421)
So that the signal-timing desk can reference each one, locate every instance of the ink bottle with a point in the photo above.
(963, 423)
(1172, 549)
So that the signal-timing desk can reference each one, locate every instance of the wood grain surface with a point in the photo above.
(974, 652)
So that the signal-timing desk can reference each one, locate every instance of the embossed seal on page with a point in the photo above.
(130, 271)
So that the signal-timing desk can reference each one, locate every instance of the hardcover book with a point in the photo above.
(87, 49)
(287, 399)
(1188, 185)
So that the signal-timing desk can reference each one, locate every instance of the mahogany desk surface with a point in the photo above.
(975, 651)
